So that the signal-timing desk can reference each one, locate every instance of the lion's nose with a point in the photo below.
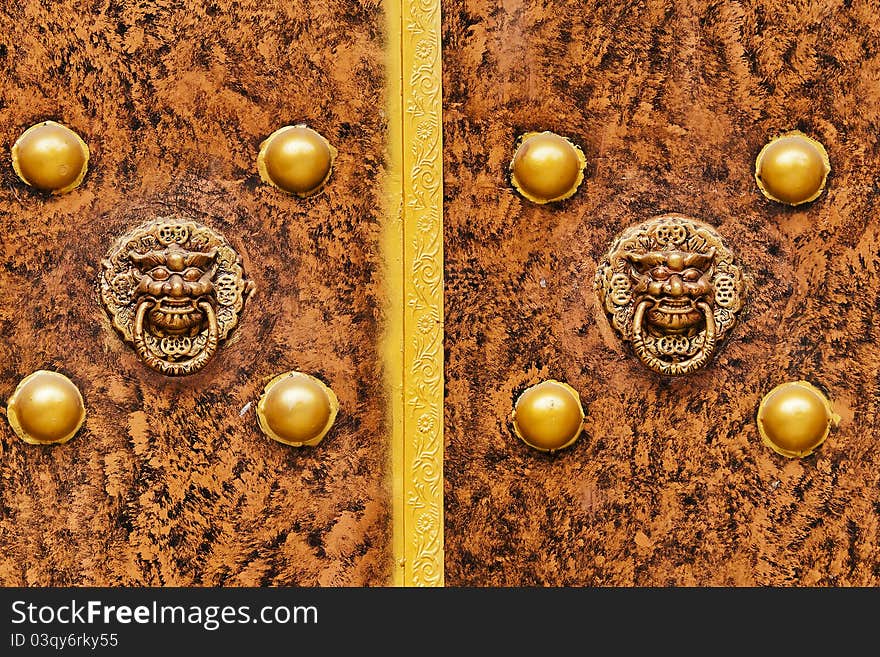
(174, 286)
(673, 286)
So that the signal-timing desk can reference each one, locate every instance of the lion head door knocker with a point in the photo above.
(670, 288)
(174, 290)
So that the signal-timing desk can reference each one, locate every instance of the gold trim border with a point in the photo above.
(414, 253)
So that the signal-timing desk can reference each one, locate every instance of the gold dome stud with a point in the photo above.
(50, 157)
(297, 409)
(546, 167)
(795, 418)
(792, 168)
(548, 416)
(296, 159)
(46, 408)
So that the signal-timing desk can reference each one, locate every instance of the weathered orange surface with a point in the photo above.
(670, 484)
(171, 482)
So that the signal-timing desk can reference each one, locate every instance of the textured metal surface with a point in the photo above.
(671, 103)
(170, 481)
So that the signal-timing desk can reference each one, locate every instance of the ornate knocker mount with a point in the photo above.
(174, 290)
(670, 287)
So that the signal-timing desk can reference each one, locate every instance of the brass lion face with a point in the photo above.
(670, 288)
(174, 289)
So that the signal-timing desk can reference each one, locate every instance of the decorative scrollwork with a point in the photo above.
(671, 289)
(174, 290)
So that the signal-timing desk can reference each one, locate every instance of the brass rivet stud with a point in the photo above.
(546, 167)
(792, 168)
(548, 416)
(296, 159)
(297, 409)
(46, 408)
(795, 418)
(50, 157)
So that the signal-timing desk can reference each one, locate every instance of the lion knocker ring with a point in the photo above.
(670, 288)
(174, 290)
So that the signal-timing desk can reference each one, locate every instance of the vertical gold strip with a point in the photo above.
(423, 267)
(414, 245)
(394, 235)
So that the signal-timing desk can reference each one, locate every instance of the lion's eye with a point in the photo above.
(691, 275)
(660, 273)
(159, 274)
(192, 274)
